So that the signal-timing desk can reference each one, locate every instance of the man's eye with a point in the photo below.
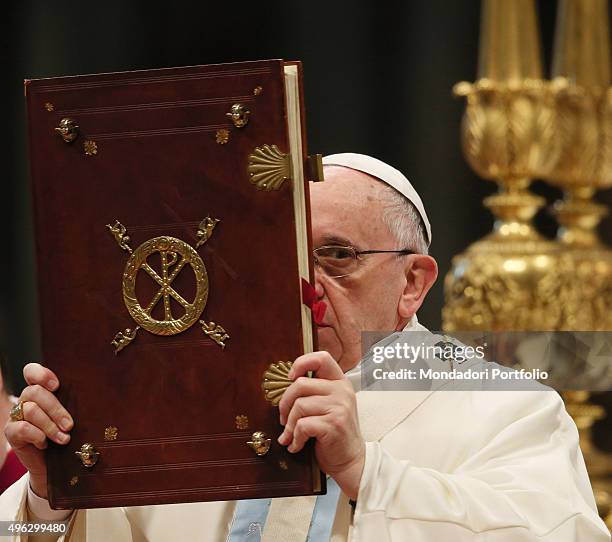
(339, 253)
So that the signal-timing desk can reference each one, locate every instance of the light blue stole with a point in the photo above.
(250, 517)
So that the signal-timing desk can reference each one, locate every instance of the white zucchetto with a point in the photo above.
(385, 173)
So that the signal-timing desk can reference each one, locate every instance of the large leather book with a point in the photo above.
(172, 235)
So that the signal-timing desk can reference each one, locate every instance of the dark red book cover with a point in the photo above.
(168, 281)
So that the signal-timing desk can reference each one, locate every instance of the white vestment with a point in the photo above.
(448, 466)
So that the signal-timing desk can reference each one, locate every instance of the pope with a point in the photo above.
(500, 466)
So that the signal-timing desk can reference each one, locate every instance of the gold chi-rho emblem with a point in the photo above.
(174, 255)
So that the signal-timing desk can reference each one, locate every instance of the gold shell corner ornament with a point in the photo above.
(276, 381)
(269, 168)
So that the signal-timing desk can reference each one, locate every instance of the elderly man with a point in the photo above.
(419, 465)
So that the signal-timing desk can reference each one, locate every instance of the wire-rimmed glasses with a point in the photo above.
(340, 261)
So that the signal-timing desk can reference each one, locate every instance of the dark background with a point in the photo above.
(378, 79)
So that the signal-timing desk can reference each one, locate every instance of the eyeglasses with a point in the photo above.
(337, 261)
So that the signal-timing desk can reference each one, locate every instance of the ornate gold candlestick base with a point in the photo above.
(586, 262)
(509, 280)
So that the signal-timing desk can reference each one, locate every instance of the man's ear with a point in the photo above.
(421, 273)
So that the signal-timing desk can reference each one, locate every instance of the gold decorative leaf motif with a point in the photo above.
(91, 147)
(222, 136)
(242, 422)
(276, 381)
(509, 132)
(269, 168)
(111, 433)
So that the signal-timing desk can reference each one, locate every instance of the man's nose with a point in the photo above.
(319, 290)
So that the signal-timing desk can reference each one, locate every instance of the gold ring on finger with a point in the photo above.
(16, 412)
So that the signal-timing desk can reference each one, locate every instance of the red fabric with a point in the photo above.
(11, 471)
(309, 298)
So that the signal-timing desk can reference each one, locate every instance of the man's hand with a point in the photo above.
(44, 417)
(325, 408)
